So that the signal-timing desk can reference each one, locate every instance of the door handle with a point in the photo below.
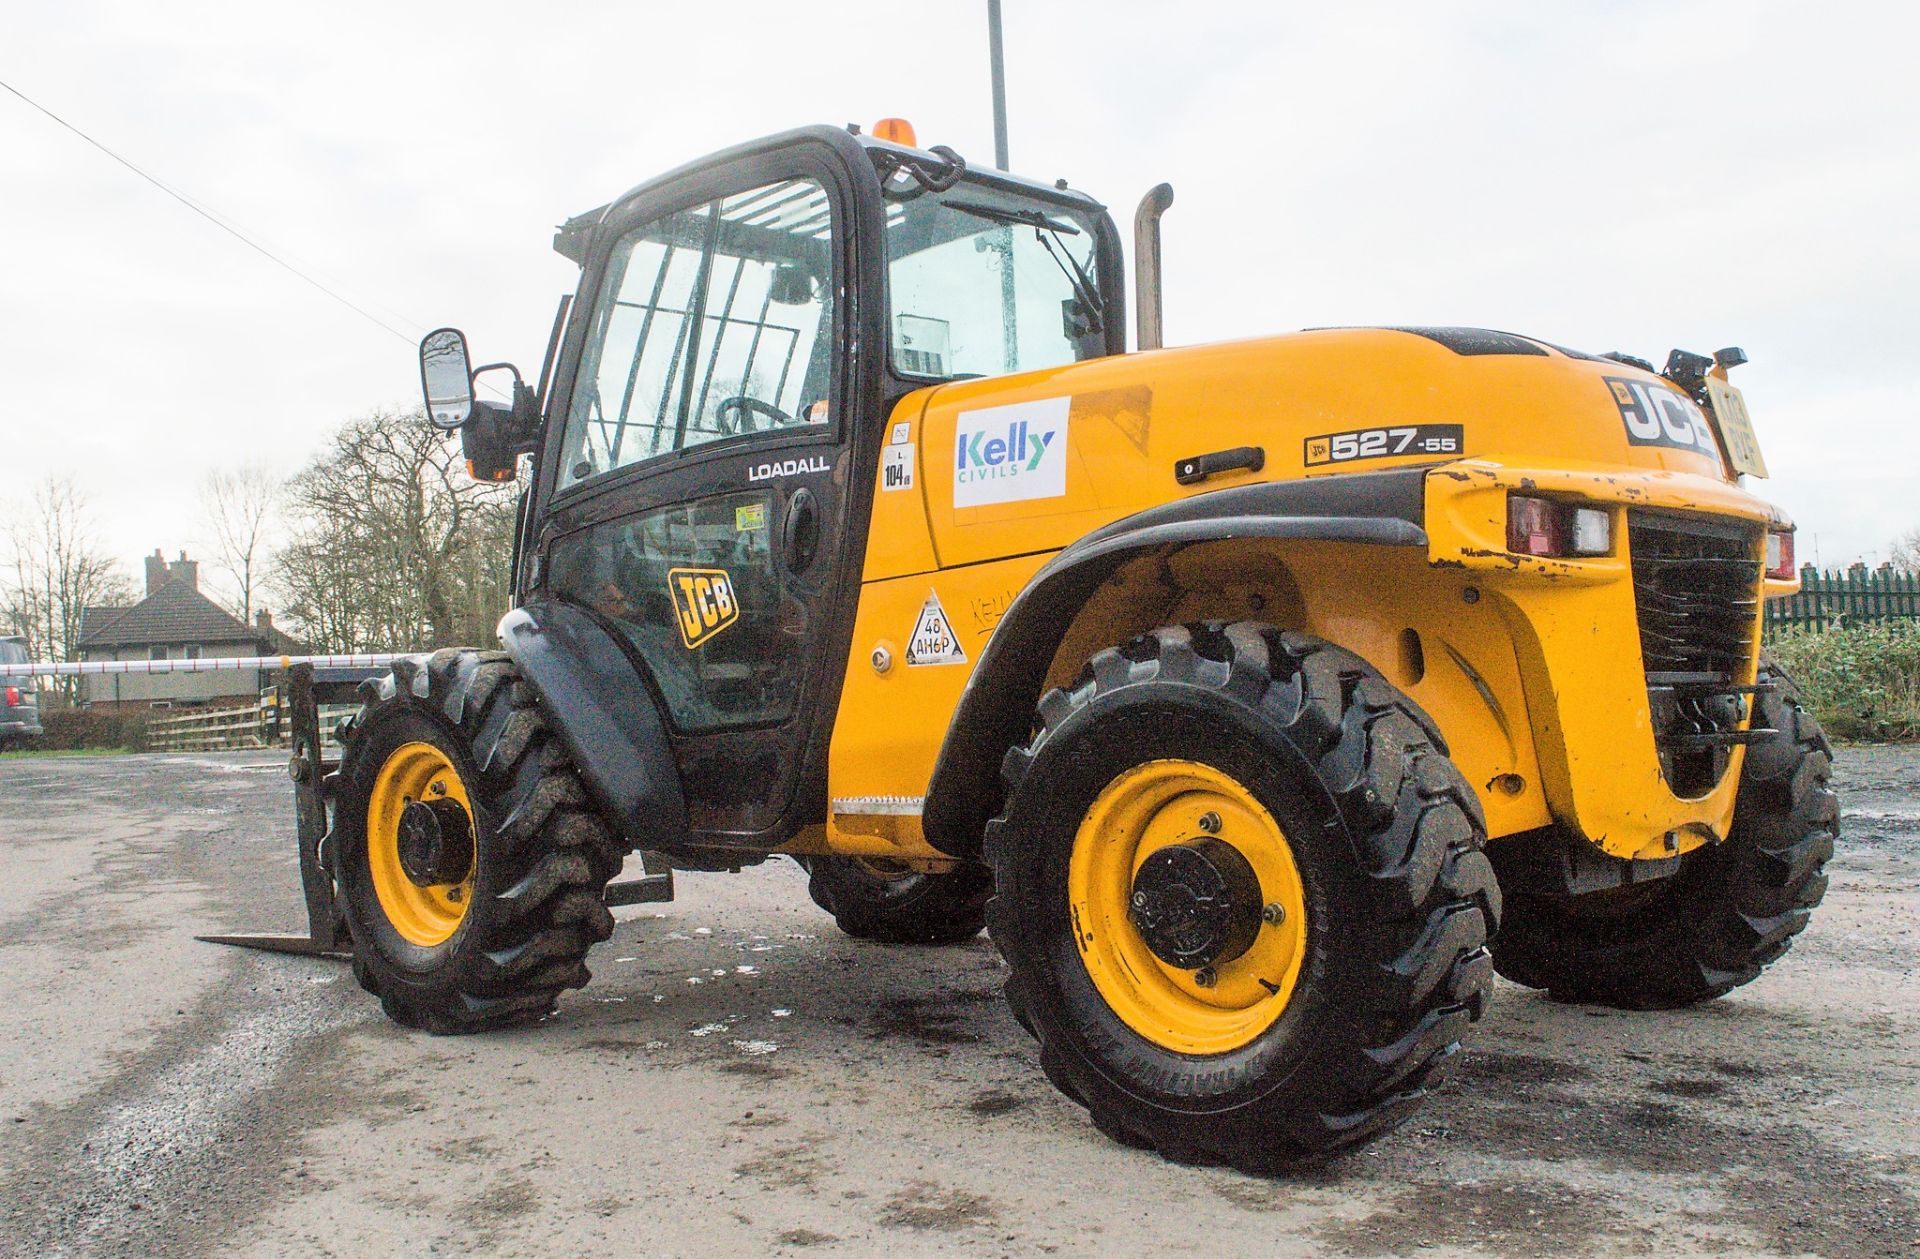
(800, 535)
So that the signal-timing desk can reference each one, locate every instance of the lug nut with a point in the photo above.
(1274, 914)
(1205, 977)
(1140, 900)
(1210, 823)
(455, 895)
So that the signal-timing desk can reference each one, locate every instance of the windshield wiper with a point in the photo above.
(1001, 214)
(1082, 283)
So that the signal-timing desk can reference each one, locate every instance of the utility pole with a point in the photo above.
(1010, 338)
(999, 86)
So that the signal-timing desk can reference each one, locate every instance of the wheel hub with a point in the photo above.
(435, 842)
(1197, 903)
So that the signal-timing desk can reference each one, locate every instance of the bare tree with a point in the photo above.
(237, 505)
(1906, 551)
(391, 545)
(57, 571)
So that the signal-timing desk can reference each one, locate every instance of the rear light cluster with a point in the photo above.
(1542, 526)
(13, 696)
(1780, 554)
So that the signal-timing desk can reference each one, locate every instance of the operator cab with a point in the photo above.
(708, 429)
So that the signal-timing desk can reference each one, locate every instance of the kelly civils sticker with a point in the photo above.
(1384, 443)
(1010, 453)
(1660, 415)
(933, 640)
(703, 598)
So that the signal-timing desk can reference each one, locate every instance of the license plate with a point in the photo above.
(1736, 427)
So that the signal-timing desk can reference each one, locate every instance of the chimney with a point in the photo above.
(184, 569)
(157, 574)
(263, 619)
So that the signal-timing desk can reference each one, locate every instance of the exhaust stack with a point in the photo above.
(1146, 265)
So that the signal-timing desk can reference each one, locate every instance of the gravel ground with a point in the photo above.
(740, 1079)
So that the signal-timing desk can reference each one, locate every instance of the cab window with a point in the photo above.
(694, 588)
(983, 282)
(713, 324)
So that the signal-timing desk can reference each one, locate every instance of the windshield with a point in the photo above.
(984, 282)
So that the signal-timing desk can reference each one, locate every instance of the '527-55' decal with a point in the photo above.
(1384, 443)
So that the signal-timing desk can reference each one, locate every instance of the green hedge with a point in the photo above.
(69, 729)
(1862, 682)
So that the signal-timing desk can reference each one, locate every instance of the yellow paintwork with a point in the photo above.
(1145, 809)
(1531, 667)
(422, 915)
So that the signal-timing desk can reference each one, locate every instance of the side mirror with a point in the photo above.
(446, 377)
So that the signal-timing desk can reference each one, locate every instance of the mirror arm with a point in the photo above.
(497, 367)
(525, 423)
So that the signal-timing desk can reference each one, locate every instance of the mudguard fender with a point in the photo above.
(606, 717)
(996, 708)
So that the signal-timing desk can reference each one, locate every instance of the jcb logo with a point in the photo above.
(704, 599)
(1657, 415)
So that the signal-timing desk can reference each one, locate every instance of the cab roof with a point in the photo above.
(570, 239)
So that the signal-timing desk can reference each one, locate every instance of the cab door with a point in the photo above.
(706, 475)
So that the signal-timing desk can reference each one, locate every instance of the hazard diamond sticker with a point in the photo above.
(933, 640)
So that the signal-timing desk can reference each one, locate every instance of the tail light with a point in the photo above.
(1541, 526)
(13, 696)
(1780, 554)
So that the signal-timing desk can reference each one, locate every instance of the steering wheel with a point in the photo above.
(735, 415)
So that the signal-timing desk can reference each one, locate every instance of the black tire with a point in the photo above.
(1387, 838)
(1729, 911)
(873, 900)
(542, 855)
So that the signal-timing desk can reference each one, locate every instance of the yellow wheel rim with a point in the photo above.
(422, 915)
(1150, 807)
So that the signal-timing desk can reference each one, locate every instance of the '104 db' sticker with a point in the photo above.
(896, 467)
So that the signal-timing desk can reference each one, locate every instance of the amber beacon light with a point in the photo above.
(896, 131)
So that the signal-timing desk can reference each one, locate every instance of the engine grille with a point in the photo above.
(1696, 590)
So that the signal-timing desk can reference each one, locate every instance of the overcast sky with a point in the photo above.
(1623, 176)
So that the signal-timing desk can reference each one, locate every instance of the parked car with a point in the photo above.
(19, 706)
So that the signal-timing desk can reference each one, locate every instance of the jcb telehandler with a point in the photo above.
(1232, 688)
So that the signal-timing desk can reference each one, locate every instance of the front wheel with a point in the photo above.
(470, 868)
(1241, 896)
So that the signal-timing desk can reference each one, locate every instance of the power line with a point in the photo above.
(213, 218)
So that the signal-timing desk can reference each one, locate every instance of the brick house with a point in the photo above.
(175, 622)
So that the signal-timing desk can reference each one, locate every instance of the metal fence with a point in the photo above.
(1853, 596)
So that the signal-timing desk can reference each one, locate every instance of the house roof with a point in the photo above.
(93, 619)
(175, 613)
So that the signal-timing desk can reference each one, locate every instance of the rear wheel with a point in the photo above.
(1729, 911)
(470, 867)
(1241, 896)
(876, 899)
